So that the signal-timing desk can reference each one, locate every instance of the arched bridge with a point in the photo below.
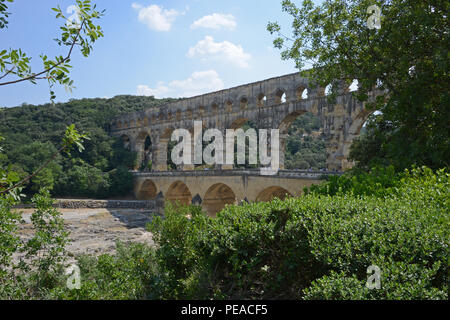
(270, 104)
(213, 189)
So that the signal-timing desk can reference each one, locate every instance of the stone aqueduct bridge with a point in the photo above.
(216, 188)
(270, 104)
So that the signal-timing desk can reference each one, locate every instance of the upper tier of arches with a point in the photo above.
(275, 91)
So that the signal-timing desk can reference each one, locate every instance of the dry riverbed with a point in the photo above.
(95, 231)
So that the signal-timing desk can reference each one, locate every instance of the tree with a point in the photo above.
(121, 181)
(83, 180)
(15, 63)
(78, 31)
(405, 61)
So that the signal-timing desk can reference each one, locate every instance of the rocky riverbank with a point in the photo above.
(95, 231)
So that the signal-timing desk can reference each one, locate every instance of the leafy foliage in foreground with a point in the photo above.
(40, 267)
(127, 274)
(313, 247)
(406, 60)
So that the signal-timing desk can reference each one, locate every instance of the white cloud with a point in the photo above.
(199, 82)
(160, 91)
(208, 49)
(156, 17)
(216, 21)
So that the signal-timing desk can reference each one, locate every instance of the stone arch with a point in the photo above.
(217, 197)
(167, 133)
(147, 191)
(142, 136)
(179, 192)
(288, 120)
(147, 153)
(243, 103)
(300, 93)
(200, 111)
(303, 136)
(126, 141)
(165, 146)
(280, 96)
(273, 192)
(214, 109)
(148, 143)
(328, 89)
(228, 106)
(355, 129)
(261, 100)
(144, 145)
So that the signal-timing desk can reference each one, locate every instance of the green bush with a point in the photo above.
(127, 274)
(380, 182)
(313, 247)
(121, 181)
(178, 255)
(40, 269)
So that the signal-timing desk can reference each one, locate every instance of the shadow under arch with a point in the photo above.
(217, 197)
(147, 191)
(126, 141)
(270, 193)
(179, 192)
(145, 144)
(355, 129)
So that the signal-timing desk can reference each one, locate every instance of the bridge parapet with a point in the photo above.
(284, 174)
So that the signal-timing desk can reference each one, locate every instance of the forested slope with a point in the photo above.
(32, 133)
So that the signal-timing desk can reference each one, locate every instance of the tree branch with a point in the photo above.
(8, 72)
(35, 76)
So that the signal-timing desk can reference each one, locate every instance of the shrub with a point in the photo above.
(179, 259)
(380, 182)
(313, 247)
(127, 274)
(121, 181)
(41, 267)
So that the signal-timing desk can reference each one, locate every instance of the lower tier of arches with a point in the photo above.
(213, 193)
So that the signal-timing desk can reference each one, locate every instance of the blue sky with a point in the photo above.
(162, 48)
